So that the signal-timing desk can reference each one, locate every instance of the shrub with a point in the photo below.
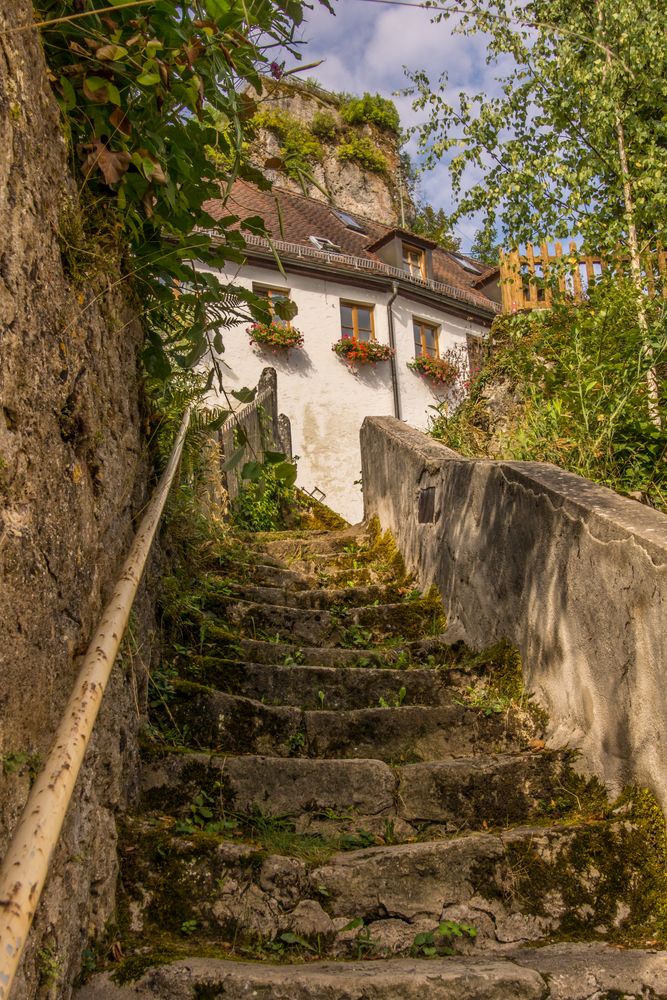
(373, 109)
(299, 148)
(576, 379)
(324, 126)
(361, 149)
(442, 370)
(263, 506)
(275, 335)
(366, 352)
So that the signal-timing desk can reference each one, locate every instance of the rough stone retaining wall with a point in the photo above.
(73, 475)
(572, 573)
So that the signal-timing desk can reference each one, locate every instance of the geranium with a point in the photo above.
(443, 370)
(365, 352)
(275, 336)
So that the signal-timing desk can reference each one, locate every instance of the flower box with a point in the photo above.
(440, 370)
(275, 336)
(364, 352)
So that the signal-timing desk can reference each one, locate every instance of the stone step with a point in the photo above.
(436, 651)
(236, 725)
(515, 887)
(407, 620)
(342, 796)
(402, 979)
(265, 575)
(567, 971)
(289, 545)
(315, 598)
(329, 687)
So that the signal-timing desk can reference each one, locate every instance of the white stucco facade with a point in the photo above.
(325, 399)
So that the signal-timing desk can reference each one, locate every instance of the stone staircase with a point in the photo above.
(340, 802)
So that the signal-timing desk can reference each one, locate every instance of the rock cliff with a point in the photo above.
(343, 170)
(73, 473)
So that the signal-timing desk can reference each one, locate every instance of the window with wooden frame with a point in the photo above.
(426, 338)
(356, 321)
(414, 261)
(273, 295)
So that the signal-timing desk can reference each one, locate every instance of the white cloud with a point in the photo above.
(365, 47)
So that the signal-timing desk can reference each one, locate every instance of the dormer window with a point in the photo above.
(322, 243)
(414, 261)
(467, 265)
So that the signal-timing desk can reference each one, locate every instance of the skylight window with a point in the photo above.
(465, 264)
(349, 221)
(322, 243)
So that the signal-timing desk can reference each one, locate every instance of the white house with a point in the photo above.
(354, 278)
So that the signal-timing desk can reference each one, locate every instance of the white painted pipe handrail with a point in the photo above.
(26, 864)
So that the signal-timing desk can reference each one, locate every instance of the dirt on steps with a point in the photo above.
(326, 776)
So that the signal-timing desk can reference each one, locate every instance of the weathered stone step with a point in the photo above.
(341, 796)
(434, 651)
(310, 599)
(591, 971)
(400, 979)
(381, 623)
(236, 725)
(287, 545)
(266, 575)
(329, 687)
(513, 888)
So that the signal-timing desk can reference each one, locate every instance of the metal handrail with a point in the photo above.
(26, 864)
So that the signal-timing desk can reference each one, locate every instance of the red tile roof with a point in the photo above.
(293, 218)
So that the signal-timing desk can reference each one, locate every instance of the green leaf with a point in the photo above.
(69, 94)
(290, 938)
(274, 457)
(233, 460)
(149, 79)
(252, 471)
(286, 472)
(352, 926)
(218, 421)
(244, 395)
(285, 309)
(218, 343)
(111, 52)
(156, 362)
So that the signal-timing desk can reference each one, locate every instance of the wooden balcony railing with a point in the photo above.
(537, 280)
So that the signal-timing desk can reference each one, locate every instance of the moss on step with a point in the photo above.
(608, 878)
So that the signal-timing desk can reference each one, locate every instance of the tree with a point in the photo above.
(156, 104)
(485, 246)
(435, 225)
(574, 145)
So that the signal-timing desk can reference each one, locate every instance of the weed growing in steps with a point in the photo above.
(440, 941)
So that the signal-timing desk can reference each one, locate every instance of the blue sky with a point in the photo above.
(365, 47)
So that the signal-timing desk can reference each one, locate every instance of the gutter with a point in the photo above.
(392, 344)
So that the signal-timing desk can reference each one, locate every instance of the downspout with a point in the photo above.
(392, 344)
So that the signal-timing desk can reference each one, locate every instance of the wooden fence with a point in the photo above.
(537, 280)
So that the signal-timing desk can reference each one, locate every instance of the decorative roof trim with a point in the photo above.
(334, 260)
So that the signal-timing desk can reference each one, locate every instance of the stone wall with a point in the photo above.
(73, 474)
(264, 428)
(571, 572)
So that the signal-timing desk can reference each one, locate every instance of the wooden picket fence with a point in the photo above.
(536, 281)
